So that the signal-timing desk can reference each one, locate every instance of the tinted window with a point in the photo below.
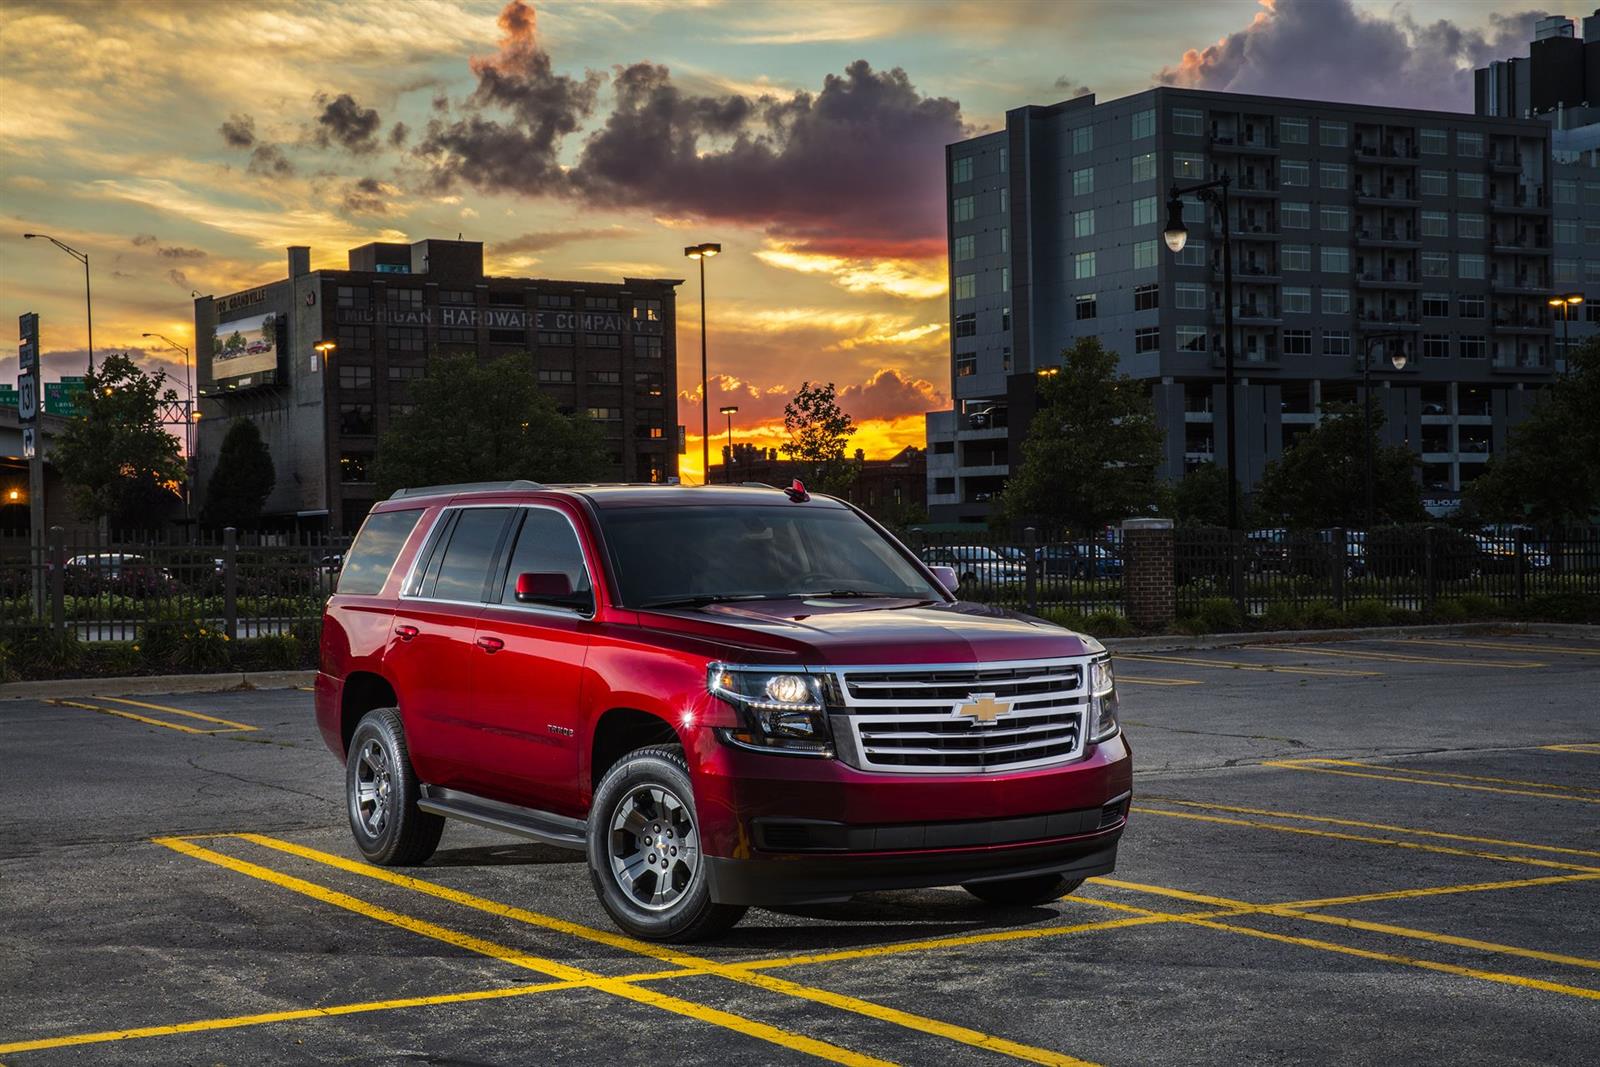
(367, 564)
(665, 554)
(465, 568)
(546, 545)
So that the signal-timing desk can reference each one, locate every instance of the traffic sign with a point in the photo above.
(27, 397)
(28, 445)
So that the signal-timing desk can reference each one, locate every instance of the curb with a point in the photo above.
(155, 683)
(1182, 643)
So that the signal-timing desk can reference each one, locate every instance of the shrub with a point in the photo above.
(39, 652)
(1108, 624)
(1281, 615)
(1563, 607)
(1190, 624)
(201, 649)
(1450, 611)
(1324, 616)
(275, 652)
(1218, 614)
(1369, 613)
(1478, 606)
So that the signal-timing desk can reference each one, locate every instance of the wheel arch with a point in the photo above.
(621, 730)
(363, 691)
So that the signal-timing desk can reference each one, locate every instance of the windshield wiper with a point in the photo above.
(861, 594)
(702, 600)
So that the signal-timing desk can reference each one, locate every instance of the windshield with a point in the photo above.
(688, 554)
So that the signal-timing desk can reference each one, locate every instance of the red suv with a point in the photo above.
(724, 695)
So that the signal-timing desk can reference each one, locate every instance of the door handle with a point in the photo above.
(406, 631)
(491, 645)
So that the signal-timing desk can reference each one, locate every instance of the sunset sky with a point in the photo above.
(183, 145)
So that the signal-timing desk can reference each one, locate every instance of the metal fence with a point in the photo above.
(1406, 567)
(113, 589)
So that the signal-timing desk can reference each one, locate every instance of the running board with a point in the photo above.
(542, 826)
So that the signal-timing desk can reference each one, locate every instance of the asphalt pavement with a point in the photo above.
(1362, 852)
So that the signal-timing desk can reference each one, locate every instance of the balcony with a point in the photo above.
(1521, 283)
(1251, 314)
(1522, 325)
(1249, 274)
(1387, 237)
(1229, 144)
(1256, 232)
(1505, 163)
(1534, 245)
(1392, 319)
(1387, 150)
(1520, 363)
(1526, 200)
(1389, 195)
(1388, 279)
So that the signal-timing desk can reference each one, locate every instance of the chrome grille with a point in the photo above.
(906, 719)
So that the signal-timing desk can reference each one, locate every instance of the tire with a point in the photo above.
(381, 791)
(671, 902)
(1023, 892)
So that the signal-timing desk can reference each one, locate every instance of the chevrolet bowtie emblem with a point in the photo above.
(983, 708)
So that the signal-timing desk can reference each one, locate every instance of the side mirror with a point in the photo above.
(553, 588)
(947, 577)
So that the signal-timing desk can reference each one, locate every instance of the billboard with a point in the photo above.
(244, 347)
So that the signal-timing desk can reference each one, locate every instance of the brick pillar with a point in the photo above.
(1149, 592)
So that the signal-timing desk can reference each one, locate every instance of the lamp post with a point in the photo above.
(188, 421)
(701, 253)
(88, 302)
(1177, 235)
(1566, 303)
(1397, 359)
(731, 410)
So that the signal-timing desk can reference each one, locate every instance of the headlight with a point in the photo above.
(1102, 701)
(783, 711)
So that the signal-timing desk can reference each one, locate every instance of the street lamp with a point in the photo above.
(701, 253)
(88, 302)
(1176, 236)
(731, 410)
(1566, 303)
(324, 347)
(1397, 360)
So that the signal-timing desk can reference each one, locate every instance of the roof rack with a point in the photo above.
(520, 484)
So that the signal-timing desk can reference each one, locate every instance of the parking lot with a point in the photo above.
(1363, 852)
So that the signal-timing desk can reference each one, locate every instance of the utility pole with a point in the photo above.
(29, 400)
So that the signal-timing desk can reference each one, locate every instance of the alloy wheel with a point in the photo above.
(374, 788)
(653, 847)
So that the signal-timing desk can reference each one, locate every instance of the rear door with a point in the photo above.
(430, 654)
(528, 670)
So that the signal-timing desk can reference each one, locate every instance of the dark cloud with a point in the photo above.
(548, 239)
(269, 159)
(398, 134)
(544, 107)
(1071, 87)
(889, 394)
(239, 131)
(142, 239)
(347, 124)
(178, 278)
(179, 252)
(1328, 50)
(368, 196)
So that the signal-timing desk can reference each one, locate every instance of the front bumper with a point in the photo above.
(790, 830)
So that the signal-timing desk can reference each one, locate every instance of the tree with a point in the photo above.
(486, 422)
(1550, 471)
(242, 480)
(1091, 451)
(122, 466)
(1200, 498)
(1321, 480)
(818, 431)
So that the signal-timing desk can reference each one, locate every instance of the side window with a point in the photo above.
(463, 570)
(367, 564)
(546, 545)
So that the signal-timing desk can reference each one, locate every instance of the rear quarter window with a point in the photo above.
(377, 546)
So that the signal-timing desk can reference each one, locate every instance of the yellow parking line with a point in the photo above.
(1389, 827)
(179, 711)
(1284, 911)
(1463, 777)
(1123, 679)
(517, 958)
(1435, 891)
(1239, 665)
(129, 715)
(1443, 850)
(1497, 646)
(1401, 657)
(667, 954)
(1304, 765)
(1587, 748)
(1347, 950)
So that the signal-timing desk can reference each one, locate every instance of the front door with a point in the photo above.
(529, 670)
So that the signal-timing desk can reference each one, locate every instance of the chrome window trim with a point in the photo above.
(532, 609)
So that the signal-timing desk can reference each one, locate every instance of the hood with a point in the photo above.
(878, 632)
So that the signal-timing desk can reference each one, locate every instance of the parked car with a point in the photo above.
(1355, 550)
(1079, 559)
(123, 573)
(977, 565)
(1498, 555)
(1267, 550)
(722, 696)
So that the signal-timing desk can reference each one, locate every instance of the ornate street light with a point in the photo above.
(701, 253)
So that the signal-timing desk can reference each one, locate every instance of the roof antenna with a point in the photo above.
(797, 492)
